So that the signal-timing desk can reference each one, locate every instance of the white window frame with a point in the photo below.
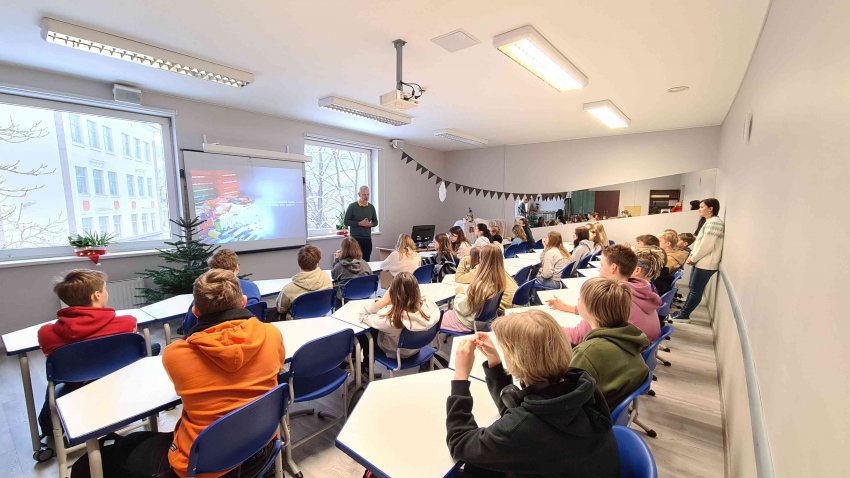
(117, 190)
(79, 105)
(373, 152)
(76, 126)
(125, 145)
(107, 139)
(103, 185)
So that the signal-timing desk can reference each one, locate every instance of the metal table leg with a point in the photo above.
(26, 381)
(95, 465)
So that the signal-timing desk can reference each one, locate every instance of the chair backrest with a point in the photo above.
(416, 340)
(94, 358)
(522, 296)
(258, 309)
(569, 270)
(649, 354)
(610, 242)
(320, 356)
(538, 244)
(677, 275)
(620, 414)
(313, 304)
(489, 312)
(521, 248)
(667, 302)
(522, 274)
(535, 269)
(235, 437)
(511, 251)
(360, 287)
(595, 255)
(582, 263)
(424, 274)
(636, 460)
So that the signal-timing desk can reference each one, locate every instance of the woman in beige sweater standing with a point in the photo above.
(705, 255)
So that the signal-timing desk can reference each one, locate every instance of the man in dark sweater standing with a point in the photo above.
(360, 217)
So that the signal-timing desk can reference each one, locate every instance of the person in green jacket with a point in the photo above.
(361, 217)
(610, 352)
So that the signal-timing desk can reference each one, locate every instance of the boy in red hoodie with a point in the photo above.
(619, 263)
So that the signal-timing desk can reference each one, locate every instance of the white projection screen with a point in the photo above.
(247, 204)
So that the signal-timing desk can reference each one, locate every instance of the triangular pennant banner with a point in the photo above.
(491, 193)
(408, 159)
(457, 187)
(477, 192)
(448, 183)
(404, 156)
(500, 195)
(430, 175)
(439, 179)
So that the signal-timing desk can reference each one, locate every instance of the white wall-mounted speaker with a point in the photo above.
(127, 94)
(397, 143)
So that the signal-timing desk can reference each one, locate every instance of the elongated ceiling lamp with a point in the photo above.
(356, 108)
(529, 48)
(93, 41)
(456, 135)
(608, 113)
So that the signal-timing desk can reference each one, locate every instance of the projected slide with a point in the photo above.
(247, 203)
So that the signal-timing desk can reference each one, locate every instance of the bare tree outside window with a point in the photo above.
(333, 178)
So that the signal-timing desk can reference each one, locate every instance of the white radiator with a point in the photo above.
(122, 293)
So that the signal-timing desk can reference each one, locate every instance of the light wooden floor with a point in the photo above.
(685, 413)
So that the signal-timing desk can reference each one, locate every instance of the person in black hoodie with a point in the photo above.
(557, 425)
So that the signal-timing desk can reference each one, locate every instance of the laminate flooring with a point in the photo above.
(685, 412)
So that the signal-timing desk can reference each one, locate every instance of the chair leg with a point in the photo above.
(278, 465)
(58, 438)
(293, 467)
(649, 432)
(666, 363)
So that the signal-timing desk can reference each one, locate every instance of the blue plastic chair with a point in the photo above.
(489, 312)
(360, 288)
(626, 412)
(424, 274)
(584, 261)
(237, 436)
(610, 242)
(511, 251)
(538, 244)
(636, 460)
(667, 302)
(314, 373)
(522, 296)
(318, 303)
(650, 355)
(259, 310)
(411, 340)
(595, 256)
(83, 362)
(521, 248)
(569, 270)
(522, 275)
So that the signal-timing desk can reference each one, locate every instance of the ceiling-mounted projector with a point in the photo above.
(399, 98)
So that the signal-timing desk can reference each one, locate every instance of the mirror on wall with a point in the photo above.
(663, 195)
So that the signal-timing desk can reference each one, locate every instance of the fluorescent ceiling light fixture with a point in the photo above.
(93, 41)
(529, 48)
(456, 135)
(356, 108)
(608, 113)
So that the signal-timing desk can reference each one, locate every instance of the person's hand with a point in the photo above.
(460, 289)
(384, 301)
(555, 303)
(627, 244)
(365, 222)
(485, 345)
(690, 262)
(464, 358)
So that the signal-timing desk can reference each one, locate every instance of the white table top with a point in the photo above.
(567, 296)
(26, 340)
(531, 257)
(437, 292)
(107, 404)
(296, 333)
(477, 369)
(589, 272)
(350, 312)
(375, 265)
(173, 307)
(371, 434)
(564, 319)
(596, 264)
(523, 261)
(271, 286)
(575, 282)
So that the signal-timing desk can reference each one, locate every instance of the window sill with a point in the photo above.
(69, 259)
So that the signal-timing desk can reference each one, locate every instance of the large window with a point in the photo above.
(333, 178)
(52, 188)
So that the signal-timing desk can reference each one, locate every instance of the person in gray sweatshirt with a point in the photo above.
(348, 264)
(582, 245)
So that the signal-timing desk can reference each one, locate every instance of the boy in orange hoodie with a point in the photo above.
(228, 359)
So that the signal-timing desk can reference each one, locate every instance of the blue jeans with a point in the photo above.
(548, 283)
(699, 279)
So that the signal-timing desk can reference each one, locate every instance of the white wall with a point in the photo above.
(404, 197)
(776, 193)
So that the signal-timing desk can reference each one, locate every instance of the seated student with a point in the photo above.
(228, 359)
(541, 222)
(582, 245)
(468, 266)
(444, 259)
(686, 239)
(610, 352)
(647, 240)
(553, 259)
(489, 281)
(523, 223)
(556, 425)
(519, 235)
(676, 257)
(482, 235)
(86, 317)
(651, 267)
(403, 259)
(618, 263)
(402, 307)
(310, 279)
(227, 260)
(495, 233)
(348, 264)
(598, 235)
(460, 246)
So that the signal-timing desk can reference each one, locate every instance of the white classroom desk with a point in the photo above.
(25, 340)
(575, 282)
(531, 257)
(596, 264)
(438, 292)
(567, 296)
(349, 313)
(269, 287)
(589, 272)
(114, 401)
(375, 265)
(478, 363)
(564, 319)
(371, 436)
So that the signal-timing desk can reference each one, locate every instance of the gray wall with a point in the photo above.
(404, 197)
(786, 250)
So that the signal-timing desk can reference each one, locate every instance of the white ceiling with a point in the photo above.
(300, 51)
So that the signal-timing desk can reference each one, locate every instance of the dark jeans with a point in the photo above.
(366, 246)
(699, 279)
